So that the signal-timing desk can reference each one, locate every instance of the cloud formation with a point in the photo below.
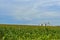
(30, 9)
(36, 9)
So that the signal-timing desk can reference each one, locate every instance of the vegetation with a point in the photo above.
(26, 32)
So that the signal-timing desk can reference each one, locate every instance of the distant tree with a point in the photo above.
(41, 24)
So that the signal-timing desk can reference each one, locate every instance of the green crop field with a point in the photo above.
(26, 32)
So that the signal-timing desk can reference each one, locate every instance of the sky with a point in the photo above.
(30, 11)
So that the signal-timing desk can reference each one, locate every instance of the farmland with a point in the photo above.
(29, 32)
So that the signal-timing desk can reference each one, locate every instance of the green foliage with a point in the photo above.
(24, 32)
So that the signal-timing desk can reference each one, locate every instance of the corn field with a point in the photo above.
(26, 32)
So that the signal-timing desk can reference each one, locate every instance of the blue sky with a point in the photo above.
(29, 11)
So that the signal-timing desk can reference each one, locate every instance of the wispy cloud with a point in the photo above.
(30, 9)
(36, 8)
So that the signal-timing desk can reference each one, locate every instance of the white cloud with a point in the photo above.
(28, 9)
(21, 0)
(50, 14)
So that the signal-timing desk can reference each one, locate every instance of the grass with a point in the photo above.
(26, 32)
